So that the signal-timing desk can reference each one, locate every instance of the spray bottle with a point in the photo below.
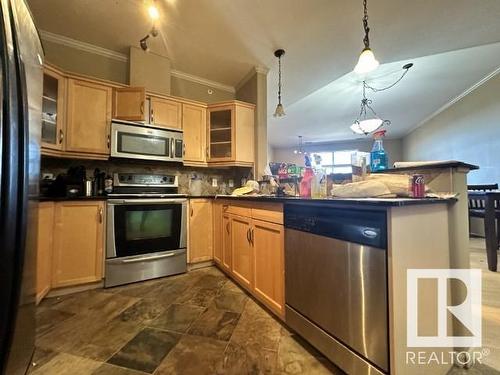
(378, 156)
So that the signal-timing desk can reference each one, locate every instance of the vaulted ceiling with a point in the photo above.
(222, 40)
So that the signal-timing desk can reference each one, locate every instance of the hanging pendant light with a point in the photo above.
(300, 149)
(367, 61)
(280, 111)
(367, 121)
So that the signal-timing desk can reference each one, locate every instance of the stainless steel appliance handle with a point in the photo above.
(117, 202)
(143, 259)
(172, 147)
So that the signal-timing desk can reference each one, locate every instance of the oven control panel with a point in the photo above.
(135, 179)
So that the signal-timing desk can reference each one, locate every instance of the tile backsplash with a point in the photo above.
(58, 166)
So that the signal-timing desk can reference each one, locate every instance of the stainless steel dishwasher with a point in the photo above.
(336, 283)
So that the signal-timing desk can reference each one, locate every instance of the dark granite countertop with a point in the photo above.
(437, 165)
(58, 199)
(384, 202)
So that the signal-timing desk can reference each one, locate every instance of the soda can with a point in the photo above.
(417, 186)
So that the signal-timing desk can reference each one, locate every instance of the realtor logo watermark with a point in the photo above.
(468, 313)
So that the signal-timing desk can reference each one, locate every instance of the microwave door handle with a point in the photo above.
(172, 146)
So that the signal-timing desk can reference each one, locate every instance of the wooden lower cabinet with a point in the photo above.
(241, 250)
(252, 250)
(78, 243)
(226, 243)
(44, 249)
(200, 230)
(268, 246)
(217, 231)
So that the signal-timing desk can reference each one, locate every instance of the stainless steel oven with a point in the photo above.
(146, 238)
(135, 141)
(146, 228)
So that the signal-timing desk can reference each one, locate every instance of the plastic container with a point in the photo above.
(378, 156)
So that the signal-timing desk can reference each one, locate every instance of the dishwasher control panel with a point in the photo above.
(364, 227)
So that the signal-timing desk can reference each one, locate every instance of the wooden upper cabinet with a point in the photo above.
(129, 103)
(194, 124)
(242, 251)
(53, 103)
(231, 133)
(44, 249)
(200, 230)
(217, 230)
(269, 278)
(78, 243)
(165, 113)
(88, 117)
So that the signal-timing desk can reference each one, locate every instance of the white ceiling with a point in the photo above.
(432, 83)
(222, 40)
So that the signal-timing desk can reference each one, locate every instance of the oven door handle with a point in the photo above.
(120, 202)
(144, 259)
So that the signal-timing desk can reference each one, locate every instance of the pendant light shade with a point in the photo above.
(367, 126)
(367, 62)
(280, 111)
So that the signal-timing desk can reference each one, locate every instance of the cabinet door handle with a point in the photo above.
(152, 116)
(100, 215)
(142, 107)
(225, 207)
(227, 228)
(61, 136)
(248, 235)
(252, 233)
(191, 212)
(206, 151)
(108, 142)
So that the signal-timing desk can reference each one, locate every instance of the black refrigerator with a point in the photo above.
(21, 82)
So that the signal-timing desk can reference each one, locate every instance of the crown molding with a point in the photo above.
(454, 100)
(90, 48)
(250, 74)
(202, 81)
(82, 46)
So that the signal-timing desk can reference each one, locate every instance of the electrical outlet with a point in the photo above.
(214, 182)
(231, 183)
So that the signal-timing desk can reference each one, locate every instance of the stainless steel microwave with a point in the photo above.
(135, 141)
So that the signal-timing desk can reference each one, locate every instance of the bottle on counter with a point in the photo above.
(378, 156)
(305, 184)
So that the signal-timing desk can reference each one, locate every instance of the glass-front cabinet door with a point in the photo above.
(221, 133)
(52, 110)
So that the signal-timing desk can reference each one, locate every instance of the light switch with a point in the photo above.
(231, 183)
(214, 182)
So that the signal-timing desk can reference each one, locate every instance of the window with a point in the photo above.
(333, 162)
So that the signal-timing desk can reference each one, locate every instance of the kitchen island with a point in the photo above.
(307, 261)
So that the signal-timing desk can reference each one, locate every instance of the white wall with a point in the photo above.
(391, 146)
(468, 131)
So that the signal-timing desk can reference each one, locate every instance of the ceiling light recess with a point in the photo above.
(153, 11)
(367, 61)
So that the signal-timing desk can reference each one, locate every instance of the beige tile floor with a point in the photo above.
(196, 323)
